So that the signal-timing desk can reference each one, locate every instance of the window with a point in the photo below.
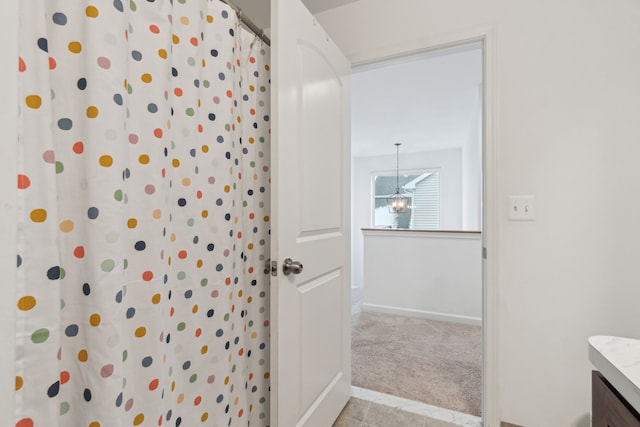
(424, 210)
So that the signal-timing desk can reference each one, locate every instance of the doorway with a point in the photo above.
(411, 273)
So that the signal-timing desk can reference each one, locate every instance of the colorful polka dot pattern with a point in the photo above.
(144, 227)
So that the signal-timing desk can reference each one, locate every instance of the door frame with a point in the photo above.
(486, 37)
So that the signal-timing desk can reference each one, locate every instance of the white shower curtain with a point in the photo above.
(144, 216)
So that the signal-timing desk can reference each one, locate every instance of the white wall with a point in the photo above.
(8, 171)
(566, 104)
(424, 274)
(448, 163)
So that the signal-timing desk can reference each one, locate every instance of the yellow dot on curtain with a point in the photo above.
(83, 356)
(141, 332)
(67, 226)
(180, 398)
(19, 382)
(226, 381)
(75, 47)
(205, 148)
(249, 301)
(252, 88)
(240, 294)
(38, 215)
(156, 298)
(175, 39)
(175, 163)
(105, 161)
(92, 12)
(227, 188)
(132, 223)
(162, 53)
(33, 101)
(251, 140)
(139, 419)
(204, 417)
(184, 20)
(194, 309)
(92, 112)
(144, 159)
(95, 319)
(146, 77)
(157, 214)
(94, 424)
(186, 182)
(250, 246)
(172, 237)
(26, 303)
(205, 213)
(204, 349)
(209, 19)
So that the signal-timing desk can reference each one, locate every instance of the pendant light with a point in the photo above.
(398, 203)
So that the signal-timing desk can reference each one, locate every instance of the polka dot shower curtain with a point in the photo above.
(144, 216)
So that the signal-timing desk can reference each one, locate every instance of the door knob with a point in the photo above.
(290, 266)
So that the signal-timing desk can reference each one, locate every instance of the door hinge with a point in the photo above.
(484, 253)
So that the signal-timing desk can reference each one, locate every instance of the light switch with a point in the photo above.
(522, 208)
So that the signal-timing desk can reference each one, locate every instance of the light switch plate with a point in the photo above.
(522, 208)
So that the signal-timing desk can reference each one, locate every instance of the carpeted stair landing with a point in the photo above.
(438, 363)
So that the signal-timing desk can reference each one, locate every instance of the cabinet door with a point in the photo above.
(609, 408)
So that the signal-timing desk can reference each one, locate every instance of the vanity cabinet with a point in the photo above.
(609, 408)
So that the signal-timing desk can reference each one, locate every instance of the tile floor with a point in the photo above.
(369, 408)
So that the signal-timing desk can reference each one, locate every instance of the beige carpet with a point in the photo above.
(438, 363)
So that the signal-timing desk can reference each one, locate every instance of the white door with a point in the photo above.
(310, 311)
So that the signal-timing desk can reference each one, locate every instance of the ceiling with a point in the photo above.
(426, 102)
(258, 10)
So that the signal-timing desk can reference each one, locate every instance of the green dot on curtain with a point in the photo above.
(108, 265)
(261, 205)
(190, 112)
(191, 222)
(62, 273)
(59, 167)
(261, 257)
(182, 275)
(226, 317)
(252, 164)
(118, 195)
(64, 408)
(233, 368)
(262, 242)
(182, 1)
(126, 199)
(125, 354)
(206, 83)
(62, 304)
(261, 154)
(129, 89)
(244, 204)
(193, 378)
(196, 170)
(250, 323)
(261, 139)
(53, 95)
(170, 370)
(204, 282)
(181, 326)
(125, 264)
(261, 311)
(133, 6)
(227, 127)
(263, 89)
(261, 363)
(191, 61)
(263, 294)
(40, 336)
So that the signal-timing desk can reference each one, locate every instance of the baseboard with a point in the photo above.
(432, 315)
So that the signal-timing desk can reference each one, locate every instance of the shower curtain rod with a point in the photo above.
(247, 22)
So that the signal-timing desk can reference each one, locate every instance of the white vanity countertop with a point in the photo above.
(618, 359)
